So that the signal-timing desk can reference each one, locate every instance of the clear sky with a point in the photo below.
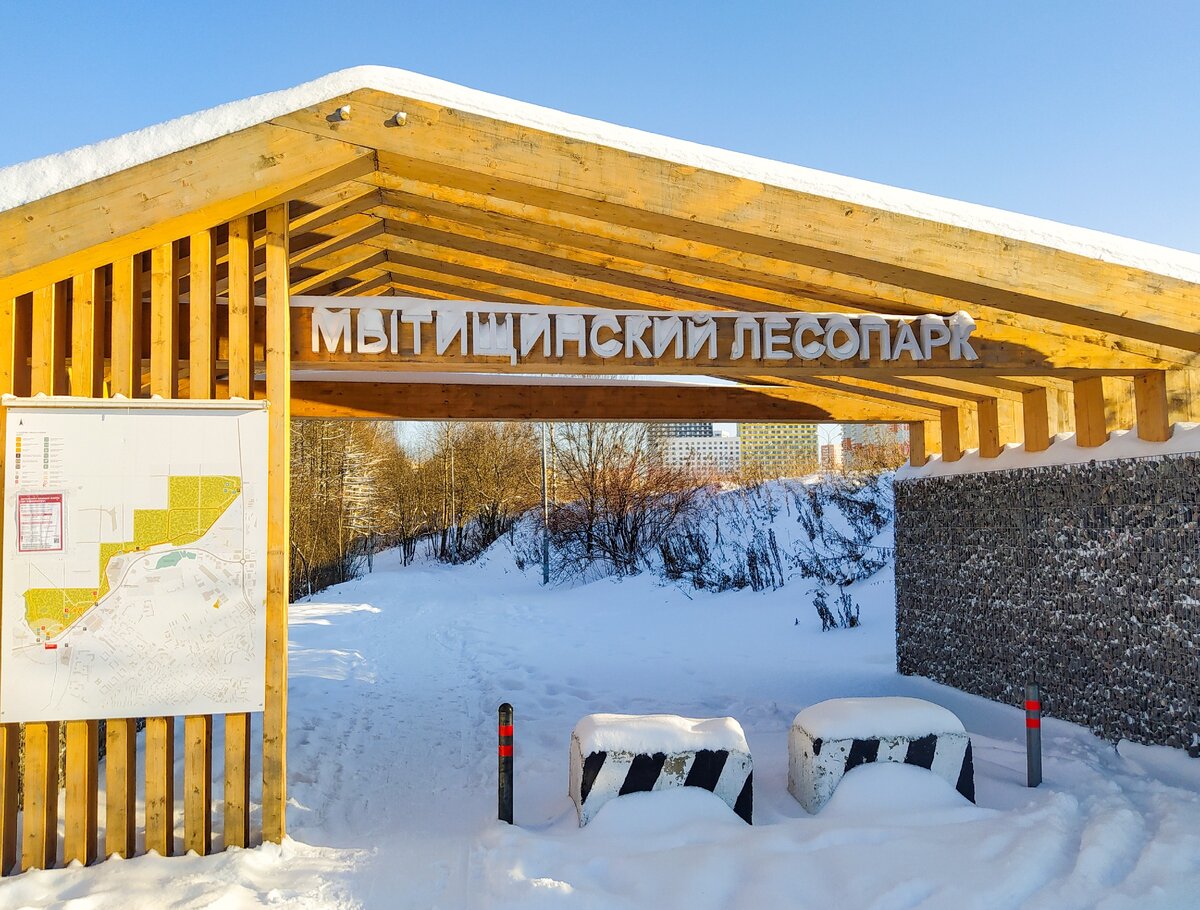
(1084, 111)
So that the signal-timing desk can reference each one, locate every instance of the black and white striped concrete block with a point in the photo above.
(834, 737)
(616, 754)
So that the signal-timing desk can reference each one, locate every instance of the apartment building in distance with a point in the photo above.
(779, 449)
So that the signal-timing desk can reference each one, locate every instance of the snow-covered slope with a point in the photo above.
(22, 183)
(395, 681)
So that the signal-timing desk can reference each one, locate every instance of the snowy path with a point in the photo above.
(395, 682)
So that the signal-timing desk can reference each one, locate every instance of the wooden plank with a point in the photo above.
(1153, 407)
(160, 785)
(1091, 428)
(338, 243)
(120, 787)
(127, 326)
(39, 816)
(237, 780)
(951, 424)
(79, 831)
(362, 260)
(356, 204)
(11, 363)
(167, 198)
(202, 295)
(164, 322)
(916, 444)
(278, 347)
(197, 784)
(49, 352)
(9, 750)
(989, 427)
(510, 401)
(87, 334)
(241, 307)
(1036, 419)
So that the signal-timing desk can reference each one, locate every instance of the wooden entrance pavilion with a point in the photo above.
(137, 274)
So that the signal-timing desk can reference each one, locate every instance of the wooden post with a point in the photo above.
(79, 832)
(197, 784)
(989, 427)
(916, 444)
(120, 787)
(1036, 417)
(278, 354)
(951, 435)
(127, 326)
(1153, 410)
(237, 780)
(1090, 424)
(10, 366)
(39, 822)
(160, 785)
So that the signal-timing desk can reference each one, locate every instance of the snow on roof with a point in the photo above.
(866, 718)
(649, 733)
(23, 183)
(1185, 440)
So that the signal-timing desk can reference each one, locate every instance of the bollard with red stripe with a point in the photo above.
(1033, 733)
(506, 763)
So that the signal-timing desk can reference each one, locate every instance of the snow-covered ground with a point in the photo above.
(395, 682)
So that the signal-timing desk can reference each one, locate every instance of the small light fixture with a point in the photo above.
(340, 115)
(399, 118)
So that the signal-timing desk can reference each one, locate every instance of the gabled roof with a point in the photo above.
(42, 177)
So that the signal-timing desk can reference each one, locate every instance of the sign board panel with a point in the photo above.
(134, 578)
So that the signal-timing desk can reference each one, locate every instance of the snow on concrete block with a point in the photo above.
(615, 754)
(833, 737)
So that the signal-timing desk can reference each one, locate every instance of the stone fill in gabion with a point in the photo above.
(1082, 578)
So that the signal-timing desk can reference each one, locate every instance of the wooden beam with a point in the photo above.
(989, 428)
(10, 365)
(378, 280)
(170, 197)
(916, 444)
(951, 424)
(48, 357)
(278, 368)
(39, 818)
(241, 307)
(120, 787)
(237, 780)
(202, 337)
(338, 244)
(1091, 428)
(197, 784)
(363, 198)
(87, 334)
(127, 326)
(1153, 409)
(160, 785)
(1035, 413)
(79, 837)
(164, 322)
(10, 745)
(360, 263)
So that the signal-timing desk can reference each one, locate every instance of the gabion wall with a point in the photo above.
(1083, 578)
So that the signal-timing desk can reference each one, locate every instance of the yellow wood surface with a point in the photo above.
(127, 326)
(160, 785)
(120, 787)
(989, 427)
(241, 307)
(202, 343)
(1153, 409)
(9, 748)
(197, 784)
(916, 444)
(1091, 428)
(951, 423)
(236, 815)
(1035, 414)
(39, 811)
(79, 830)
(164, 322)
(278, 344)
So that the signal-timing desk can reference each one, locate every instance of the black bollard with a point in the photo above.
(1033, 733)
(506, 763)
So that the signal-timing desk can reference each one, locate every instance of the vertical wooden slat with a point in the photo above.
(39, 842)
(951, 419)
(241, 307)
(197, 784)
(79, 830)
(916, 444)
(1035, 415)
(126, 326)
(1152, 406)
(237, 780)
(11, 363)
(240, 294)
(1090, 423)
(120, 787)
(39, 820)
(202, 302)
(160, 785)
(164, 313)
(988, 411)
(278, 353)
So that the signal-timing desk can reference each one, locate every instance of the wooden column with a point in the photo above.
(240, 293)
(951, 434)
(916, 444)
(127, 326)
(39, 842)
(160, 731)
(1036, 416)
(989, 427)
(120, 787)
(1091, 428)
(1153, 410)
(197, 729)
(278, 355)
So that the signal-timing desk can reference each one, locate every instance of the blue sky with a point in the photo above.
(1084, 112)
